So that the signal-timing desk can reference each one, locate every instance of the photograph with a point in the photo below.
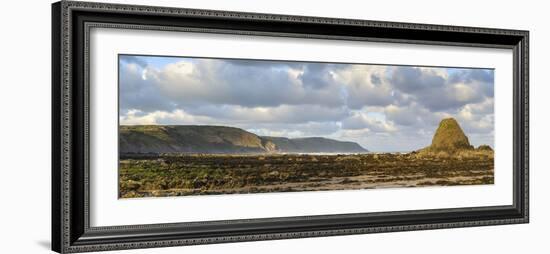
(203, 126)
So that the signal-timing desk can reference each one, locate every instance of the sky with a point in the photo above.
(385, 108)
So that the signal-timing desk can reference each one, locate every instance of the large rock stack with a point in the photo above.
(449, 139)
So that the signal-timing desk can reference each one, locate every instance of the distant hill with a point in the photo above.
(220, 139)
(315, 145)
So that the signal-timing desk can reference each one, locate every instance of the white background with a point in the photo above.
(25, 126)
(107, 210)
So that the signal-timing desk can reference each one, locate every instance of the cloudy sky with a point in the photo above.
(381, 107)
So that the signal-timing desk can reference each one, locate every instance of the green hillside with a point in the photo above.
(220, 139)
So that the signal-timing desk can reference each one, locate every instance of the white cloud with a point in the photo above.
(137, 117)
(279, 114)
(362, 120)
(365, 85)
(207, 81)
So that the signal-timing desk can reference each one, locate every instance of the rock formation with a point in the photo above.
(449, 139)
(484, 148)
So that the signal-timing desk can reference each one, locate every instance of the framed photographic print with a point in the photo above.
(181, 126)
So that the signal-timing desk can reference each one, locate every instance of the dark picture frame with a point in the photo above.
(71, 23)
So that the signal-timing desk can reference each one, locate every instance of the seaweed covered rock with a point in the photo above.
(484, 148)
